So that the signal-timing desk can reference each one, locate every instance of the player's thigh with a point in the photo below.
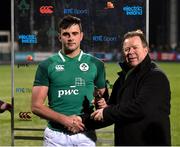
(82, 140)
(54, 138)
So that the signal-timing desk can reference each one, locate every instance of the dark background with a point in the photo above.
(159, 20)
(5, 14)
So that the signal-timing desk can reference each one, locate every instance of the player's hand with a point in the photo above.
(76, 124)
(98, 115)
(99, 103)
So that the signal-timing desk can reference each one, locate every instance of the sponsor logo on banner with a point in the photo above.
(39, 56)
(101, 38)
(25, 115)
(24, 7)
(168, 56)
(23, 90)
(76, 11)
(154, 55)
(133, 10)
(28, 38)
(46, 9)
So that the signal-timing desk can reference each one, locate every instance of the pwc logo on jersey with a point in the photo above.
(66, 92)
(59, 67)
(84, 67)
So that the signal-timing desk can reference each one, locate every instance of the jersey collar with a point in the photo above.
(63, 59)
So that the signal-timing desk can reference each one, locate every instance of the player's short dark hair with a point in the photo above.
(136, 33)
(69, 20)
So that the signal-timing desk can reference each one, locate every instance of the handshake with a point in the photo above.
(82, 122)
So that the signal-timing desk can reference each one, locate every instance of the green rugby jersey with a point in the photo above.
(70, 80)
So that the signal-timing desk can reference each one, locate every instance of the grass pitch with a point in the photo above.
(23, 79)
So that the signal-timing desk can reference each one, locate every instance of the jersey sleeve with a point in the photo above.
(41, 76)
(100, 80)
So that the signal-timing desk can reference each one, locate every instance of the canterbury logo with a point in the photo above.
(46, 9)
(59, 67)
(24, 115)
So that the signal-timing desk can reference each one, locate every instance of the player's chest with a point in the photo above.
(68, 72)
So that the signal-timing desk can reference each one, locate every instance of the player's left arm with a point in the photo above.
(101, 90)
(100, 79)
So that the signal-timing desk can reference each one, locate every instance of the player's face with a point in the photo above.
(133, 51)
(71, 38)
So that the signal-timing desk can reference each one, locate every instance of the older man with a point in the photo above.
(139, 104)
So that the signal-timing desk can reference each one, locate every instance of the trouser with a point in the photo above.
(55, 138)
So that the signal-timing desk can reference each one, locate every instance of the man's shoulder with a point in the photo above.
(155, 68)
(156, 72)
(49, 60)
(92, 58)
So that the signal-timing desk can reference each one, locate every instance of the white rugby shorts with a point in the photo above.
(55, 138)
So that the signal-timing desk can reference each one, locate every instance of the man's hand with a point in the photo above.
(98, 115)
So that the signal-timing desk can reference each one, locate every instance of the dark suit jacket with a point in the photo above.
(140, 106)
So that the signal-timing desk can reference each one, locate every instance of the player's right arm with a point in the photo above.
(39, 95)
